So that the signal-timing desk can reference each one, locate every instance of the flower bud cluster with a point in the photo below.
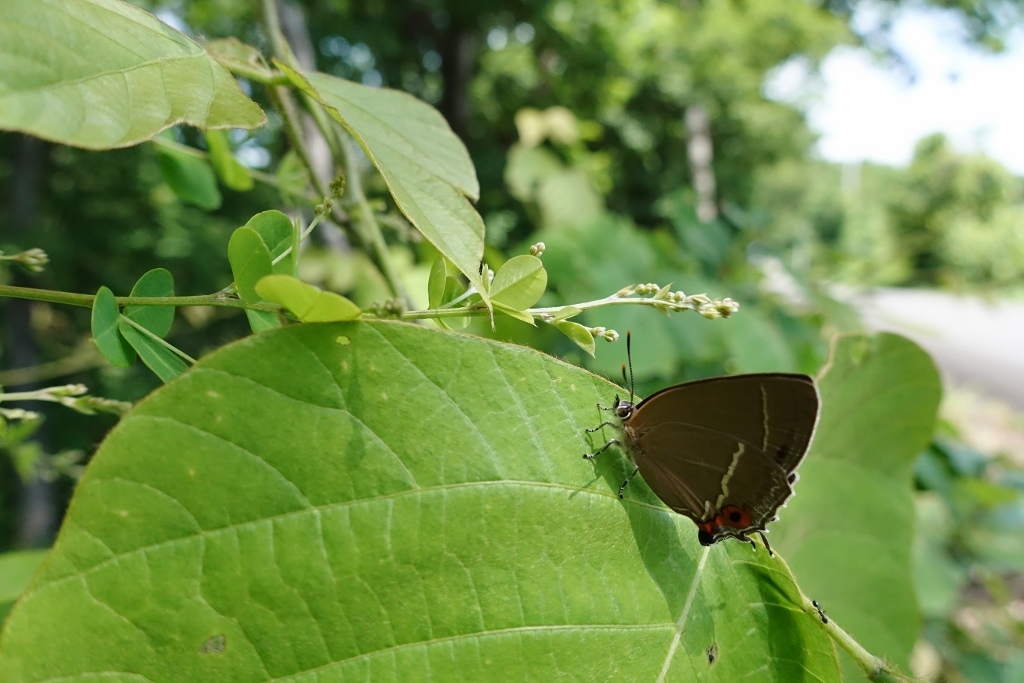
(324, 207)
(537, 249)
(33, 260)
(337, 185)
(712, 310)
(602, 333)
(392, 308)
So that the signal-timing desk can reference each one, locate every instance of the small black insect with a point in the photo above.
(821, 612)
(712, 654)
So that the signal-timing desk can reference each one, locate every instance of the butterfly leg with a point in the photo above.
(623, 487)
(766, 544)
(606, 423)
(602, 449)
(743, 538)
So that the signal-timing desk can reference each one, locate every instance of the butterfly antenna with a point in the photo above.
(629, 359)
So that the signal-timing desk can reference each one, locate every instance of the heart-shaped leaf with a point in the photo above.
(520, 282)
(103, 74)
(276, 230)
(308, 303)
(250, 262)
(424, 164)
(106, 316)
(848, 533)
(157, 319)
(379, 501)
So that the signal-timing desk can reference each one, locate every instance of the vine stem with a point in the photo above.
(225, 299)
(368, 231)
(875, 668)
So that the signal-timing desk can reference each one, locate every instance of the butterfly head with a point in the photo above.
(623, 409)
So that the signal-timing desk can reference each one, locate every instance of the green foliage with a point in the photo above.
(111, 55)
(308, 303)
(426, 167)
(190, 177)
(948, 220)
(397, 453)
(480, 545)
(105, 319)
(16, 569)
(848, 533)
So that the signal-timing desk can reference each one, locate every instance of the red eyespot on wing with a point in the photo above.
(734, 516)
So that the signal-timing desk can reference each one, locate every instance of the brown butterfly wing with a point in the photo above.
(775, 412)
(696, 471)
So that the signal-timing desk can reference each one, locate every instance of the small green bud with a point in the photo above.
(537, 249)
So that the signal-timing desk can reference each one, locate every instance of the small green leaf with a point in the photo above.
(579, 335)
(436, 283)
(513, 313)
(276, 230)
(292, 178)
(231, 172)
(157, 319)
(162, 361)
(234, 54)
(566, 313)
(105, 317)
(879, 397)
(309, 304)
(190, 177)
(262, 320)
(250, 262)
(520, 282)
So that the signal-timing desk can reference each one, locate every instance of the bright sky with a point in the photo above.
(868, 110)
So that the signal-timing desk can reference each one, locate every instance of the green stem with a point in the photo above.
(170, 347)
(86, 300)
(368, 226)
(875, 668)
(368, 231)
(258, 76)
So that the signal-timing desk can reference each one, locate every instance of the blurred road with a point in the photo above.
(976, 343)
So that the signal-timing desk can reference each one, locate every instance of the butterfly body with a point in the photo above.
(722, 451)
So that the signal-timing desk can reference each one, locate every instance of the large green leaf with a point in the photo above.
(424, 164)
(379, 501)
(848, 533)
(102, 73)
(16, 569)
